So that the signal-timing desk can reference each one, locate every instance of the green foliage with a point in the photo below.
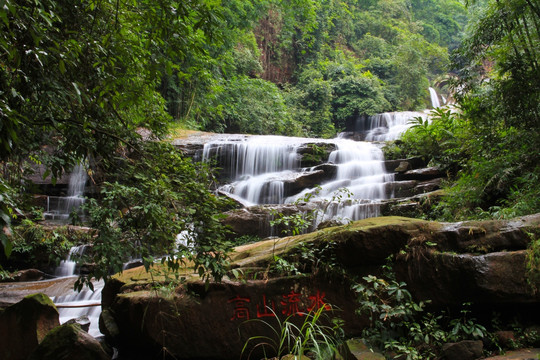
(533, 262)
(399, 325)
(246, 239)
(156, 195)
(318, 336)
(78, 79)
(499, 177)
(246, 105)
(37, 246)
(5, 276)
(291, 225)
(332, 61)
(7, 206)
(465, 327)
(436, 138)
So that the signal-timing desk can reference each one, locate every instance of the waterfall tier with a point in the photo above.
(268, 170)
(60, 207)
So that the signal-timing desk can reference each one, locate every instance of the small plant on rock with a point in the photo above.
(312, 339)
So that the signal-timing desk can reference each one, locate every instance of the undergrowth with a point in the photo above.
(319, 336)
(401, 326)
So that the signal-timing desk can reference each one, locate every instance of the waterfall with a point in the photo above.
(67, 267)
(435, 103)
(260, 168)
(390, 126)
(358, 187)
(256, 165)
(72, 304)
(87, 302)
(60, 207)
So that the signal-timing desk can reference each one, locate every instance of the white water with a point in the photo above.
(361, 172)
(390, 126)
(260, 167)
(72, 304)
(67, 267)
(435, 103)
(59, 208)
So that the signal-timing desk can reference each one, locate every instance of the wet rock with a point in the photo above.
(29, 275)
(107, 324)
(448, 278)
(401, 189)
(420, 174)
(434, 259)
(303, 181)
(69, 342)
(312, 154)
(254, 220)
(199, 322)
(328, 223)
(463, 350)
(402, 167)
(330, 170)
(82, 321)
(414, 163)
(24, 325)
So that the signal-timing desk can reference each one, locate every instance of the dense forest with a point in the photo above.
(108, 83)
(80, 81)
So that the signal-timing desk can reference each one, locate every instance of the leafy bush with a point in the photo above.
(398, 324)
(41, 247)
(246, 105)
(152, 198)
(437, 138)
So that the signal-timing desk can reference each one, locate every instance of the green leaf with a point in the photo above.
(7, 244)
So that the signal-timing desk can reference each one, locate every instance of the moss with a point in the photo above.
(40, 299)
(261, 254)
(67, 342)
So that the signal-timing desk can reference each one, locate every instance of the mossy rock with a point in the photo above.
(359, 350)
(25, 324)
(68, 342)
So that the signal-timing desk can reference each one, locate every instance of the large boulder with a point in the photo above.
(481, 262)
(196, 322)
(397, 165)
(452, 279)
(24, 325)
(463, 350)
(254, 220)
(69, 342)
(312, 154)
(305, 180)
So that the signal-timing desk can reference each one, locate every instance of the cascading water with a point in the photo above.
(67, 267)
(72, 304)
(390, 126)
(257, 166)
(60, 208)
(262, 168)
(86, 302)
(435, 103)
(360, 183)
